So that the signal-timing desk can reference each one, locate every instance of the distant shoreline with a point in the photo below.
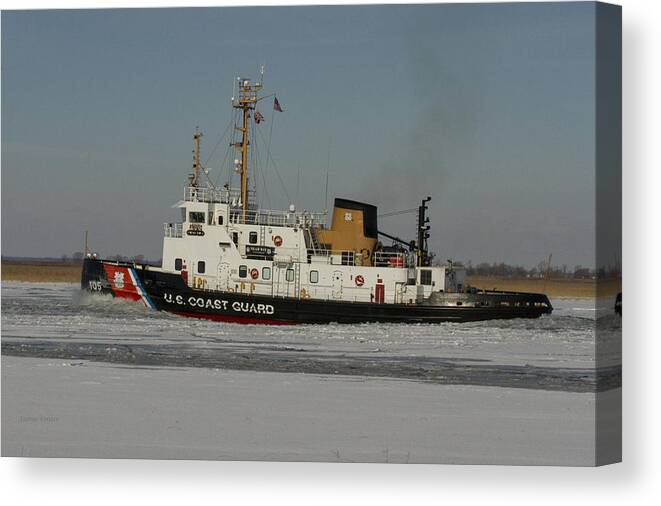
(567, 288)
(50, 272)
(35, 271)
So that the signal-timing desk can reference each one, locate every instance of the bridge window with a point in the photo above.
(290, 275)
(196, 217)
(243, 271)
(177, 264)
(425, 277)
(200, 267)
(314, 276)
(266, 273)
(252, 238)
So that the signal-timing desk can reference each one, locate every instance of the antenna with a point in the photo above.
(298, 185)
(327, 170)
(197, 164)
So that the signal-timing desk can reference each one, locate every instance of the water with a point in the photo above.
(555, 352)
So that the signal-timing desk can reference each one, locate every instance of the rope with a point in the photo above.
(270, 158)
(254, 155)
(222, 136)
(395, 213)
(227, 152)
(259, 172)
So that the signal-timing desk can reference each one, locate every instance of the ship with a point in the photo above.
(618, 304)
(229, 260)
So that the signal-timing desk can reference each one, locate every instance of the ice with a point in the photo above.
(94, 376)
(57, 408)
(563, 342)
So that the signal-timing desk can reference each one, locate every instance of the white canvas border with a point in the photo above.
(67, 481)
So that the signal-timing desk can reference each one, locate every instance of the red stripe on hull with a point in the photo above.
(232, 319)
(123, 294)
(120, 281)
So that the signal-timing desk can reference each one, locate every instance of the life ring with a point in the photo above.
(254, 273)
(277, 240)
(360, 281)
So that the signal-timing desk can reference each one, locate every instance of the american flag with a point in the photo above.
(276, 104)
(258, 117)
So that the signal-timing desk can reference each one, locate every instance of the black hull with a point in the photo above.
(169, 292)
(618, 304)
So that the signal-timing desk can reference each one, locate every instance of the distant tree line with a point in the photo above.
(542, 270)
(77, 258)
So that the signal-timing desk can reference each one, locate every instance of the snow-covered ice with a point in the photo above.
(119, 380)
(59, 408)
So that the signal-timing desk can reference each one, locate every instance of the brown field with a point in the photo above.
(574, 288)
(41, 272)
(70, 273)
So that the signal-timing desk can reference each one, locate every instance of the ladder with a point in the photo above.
(297, 280)
(314, 242)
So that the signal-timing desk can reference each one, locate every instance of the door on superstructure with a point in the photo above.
(337, 284)
(223, 276)
(400, 288)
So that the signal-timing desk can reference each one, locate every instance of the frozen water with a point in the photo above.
(91, 376)
(556, 351)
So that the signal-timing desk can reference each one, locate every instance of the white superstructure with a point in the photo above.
(224, 242)
(275, 253)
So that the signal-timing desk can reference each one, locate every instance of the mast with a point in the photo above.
(423, 234)
(194, 178)
(245, 102)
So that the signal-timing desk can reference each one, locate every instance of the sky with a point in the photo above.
(487, 108)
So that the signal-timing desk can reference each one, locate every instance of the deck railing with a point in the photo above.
(393, 259)
(252, 215)
(303, 219)
(357, 258)
(217, 195)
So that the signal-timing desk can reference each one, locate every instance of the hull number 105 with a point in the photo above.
(95, 285)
